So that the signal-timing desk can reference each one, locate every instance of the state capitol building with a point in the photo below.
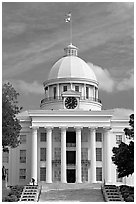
(70, 138)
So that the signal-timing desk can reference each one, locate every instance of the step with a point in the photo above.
(30, 193)
(111, 193)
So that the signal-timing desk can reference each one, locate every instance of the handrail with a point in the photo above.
(59, 98)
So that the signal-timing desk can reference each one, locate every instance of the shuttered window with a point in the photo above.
(98, 154)
(98, 137)
(98, 173)
(42, 173)
(22, 156)
(42, 154)
(43, 137)
(22, 174)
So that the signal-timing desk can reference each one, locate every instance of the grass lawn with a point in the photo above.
(81, 195)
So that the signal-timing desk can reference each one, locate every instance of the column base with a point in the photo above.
(79, 182)
(48, 181)
(63, 181)
(93, 182)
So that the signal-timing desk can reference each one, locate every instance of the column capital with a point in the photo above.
(63, 129)
(34, 127)
(78, 127)
(107, 129)
(92, 128)
(49, 128)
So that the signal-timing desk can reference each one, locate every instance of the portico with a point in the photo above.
(67, 145)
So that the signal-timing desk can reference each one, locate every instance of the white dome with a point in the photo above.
(71, 67)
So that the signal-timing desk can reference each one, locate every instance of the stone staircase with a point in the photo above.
(111, 193)
(65, 186)
(30, 193)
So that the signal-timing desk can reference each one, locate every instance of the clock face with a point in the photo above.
(71, 102)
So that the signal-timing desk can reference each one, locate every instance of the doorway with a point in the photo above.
(71, 157)
(71, 175)
(71, 137)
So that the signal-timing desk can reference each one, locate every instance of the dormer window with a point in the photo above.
(64, 88)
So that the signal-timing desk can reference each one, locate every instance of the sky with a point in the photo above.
(34, 35)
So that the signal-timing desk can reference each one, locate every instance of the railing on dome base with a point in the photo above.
(60, 98)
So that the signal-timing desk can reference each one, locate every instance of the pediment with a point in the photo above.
(71, 93)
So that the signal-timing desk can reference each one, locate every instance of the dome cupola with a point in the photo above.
(70, 50)
(71, 84)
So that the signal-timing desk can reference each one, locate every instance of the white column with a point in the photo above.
(85, 91)
(94, 91)
(34, 154)
(107, 155)
(48, 92)
(71, 86)
(90, 92)
(82, 89)
(97, 93)
(93, 155)
(63, 155)
(78, 156)
(49, 156)
(58, 94)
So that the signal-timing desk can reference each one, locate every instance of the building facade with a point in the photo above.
(70, 138)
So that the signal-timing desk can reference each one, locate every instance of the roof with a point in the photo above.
(71, 67)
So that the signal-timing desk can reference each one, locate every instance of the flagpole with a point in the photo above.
(68, 19)
(71, 30)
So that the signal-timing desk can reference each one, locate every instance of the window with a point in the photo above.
(118, 139)
(87, 92)
(54, 90)
(42, 173)
(98, 173)
(117, 178)
(84, 154)
(57, 174)
(5, 158)
(43, 137)
(23, 139)
(42, 154)
(22, 156)
(22, 174)
(57, 153)
(64, 88)
(77, 88)
(98, 137)
(98, 154)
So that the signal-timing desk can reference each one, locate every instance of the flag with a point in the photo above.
(68, 18)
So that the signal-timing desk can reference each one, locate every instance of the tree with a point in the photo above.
(10, 124)
(123, 156)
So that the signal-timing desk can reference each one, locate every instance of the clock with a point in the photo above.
(71, 102)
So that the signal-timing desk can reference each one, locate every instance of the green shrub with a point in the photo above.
(127, 193)
(130, 198)
(14, 194)
(11, 198)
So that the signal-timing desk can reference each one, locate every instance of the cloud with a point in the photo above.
(27, 88)
(106, 83)
(127, 83)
